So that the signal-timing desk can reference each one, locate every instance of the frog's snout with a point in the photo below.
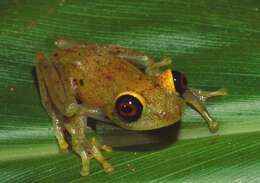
(171, 114)
(165, 115)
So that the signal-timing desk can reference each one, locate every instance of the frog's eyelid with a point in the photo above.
(134, 94)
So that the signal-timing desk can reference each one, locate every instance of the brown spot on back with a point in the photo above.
(81, 82)
(74, 83)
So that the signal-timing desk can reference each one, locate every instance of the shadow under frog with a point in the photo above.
(128, 140)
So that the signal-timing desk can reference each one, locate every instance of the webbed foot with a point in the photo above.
(197, 98)
(93, 151)
(86, 148)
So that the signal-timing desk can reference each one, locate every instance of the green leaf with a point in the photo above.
(216, 43)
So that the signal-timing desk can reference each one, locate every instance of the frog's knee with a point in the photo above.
(71, 109)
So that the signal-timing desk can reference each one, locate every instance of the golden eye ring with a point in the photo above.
(129, 106)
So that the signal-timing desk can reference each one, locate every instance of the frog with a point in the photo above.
(115, 85)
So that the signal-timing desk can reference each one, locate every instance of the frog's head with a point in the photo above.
(151, 109)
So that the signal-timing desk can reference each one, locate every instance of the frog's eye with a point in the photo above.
(180, 82)
(129, 107)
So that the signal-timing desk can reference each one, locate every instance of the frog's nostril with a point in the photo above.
(165, 115)
(178, 110)
(170, 114)
(162, 114)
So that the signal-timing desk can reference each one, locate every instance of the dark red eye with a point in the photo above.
(129, 108)
(180, 82)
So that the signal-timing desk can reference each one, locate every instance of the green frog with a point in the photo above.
(113, 84)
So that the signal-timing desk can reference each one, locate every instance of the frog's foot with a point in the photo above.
(154, 68)
(89, 152)
(205, 95)
(196, 99)
(86, 148)
(105, 148)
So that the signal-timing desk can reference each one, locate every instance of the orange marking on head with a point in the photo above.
(165, 81)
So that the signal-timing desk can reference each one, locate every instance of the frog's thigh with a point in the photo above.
(63, 100)
(46, 101)
(43, 92)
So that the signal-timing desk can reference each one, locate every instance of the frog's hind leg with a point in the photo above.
(197, 98)
(155, 68)
(59, 93)
(140, 60)
(136, 58)
(72, 114)
(46, 101)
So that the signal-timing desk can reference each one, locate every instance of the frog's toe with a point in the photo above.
(64, 149)
(107, 167)
(106, 148)
(84, 172)
(221, 92)
(213, 127)
(63, 145)
(89, 151)
(96, 152)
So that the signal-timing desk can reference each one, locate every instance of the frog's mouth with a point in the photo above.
(157, 120)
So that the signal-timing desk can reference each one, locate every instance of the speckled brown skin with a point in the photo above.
(84, 80)
(98, 75)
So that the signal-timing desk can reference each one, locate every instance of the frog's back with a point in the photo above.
(98, 76)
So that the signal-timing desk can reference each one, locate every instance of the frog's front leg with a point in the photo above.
(196, 98)
(86, 148)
